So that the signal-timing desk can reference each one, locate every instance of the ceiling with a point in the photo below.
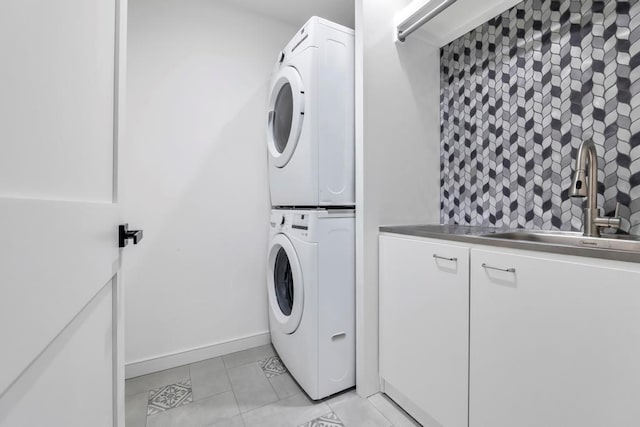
(297, 12)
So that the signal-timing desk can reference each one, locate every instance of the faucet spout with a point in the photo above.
(587, 156)
(585, 185)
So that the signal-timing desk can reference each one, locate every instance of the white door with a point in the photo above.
(60, 291)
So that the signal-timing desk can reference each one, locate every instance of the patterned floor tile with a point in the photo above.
(169, 397)
(328, 420)
(272, 366)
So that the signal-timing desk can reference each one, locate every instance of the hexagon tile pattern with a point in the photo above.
(518, 96)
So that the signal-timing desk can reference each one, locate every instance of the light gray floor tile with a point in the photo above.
(231, 422)
(392, 411)
(209, 378)
(290, 412)
(330, 419)
(135, 410)
(251, 355)
(149, 382)
(355, 411)
(284, 385)
(251, 387)
(204, 412)
(342, 396)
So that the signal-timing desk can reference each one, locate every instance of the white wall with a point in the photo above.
(195, 175)
(397, 146)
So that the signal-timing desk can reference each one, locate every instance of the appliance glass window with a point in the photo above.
(283, 117)
(283, 282)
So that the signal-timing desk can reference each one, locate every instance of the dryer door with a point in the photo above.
(285, 115)
(285, 287)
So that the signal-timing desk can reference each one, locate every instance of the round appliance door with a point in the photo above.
(285, 287)
(285, 115)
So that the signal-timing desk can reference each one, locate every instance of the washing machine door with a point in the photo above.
(285, 287)
(285, 115)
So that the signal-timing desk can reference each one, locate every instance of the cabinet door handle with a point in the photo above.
(436, 256)
(489, 267)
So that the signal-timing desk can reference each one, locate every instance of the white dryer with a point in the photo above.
(310, 121)
(311, 288)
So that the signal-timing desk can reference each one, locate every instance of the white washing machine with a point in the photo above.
(310, 121)
(311, 288)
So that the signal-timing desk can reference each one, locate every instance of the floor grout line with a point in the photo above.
(235, 398)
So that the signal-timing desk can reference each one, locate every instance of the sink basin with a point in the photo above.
(615, 242)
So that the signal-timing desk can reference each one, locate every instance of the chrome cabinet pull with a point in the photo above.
(436, 256)
(507, 270)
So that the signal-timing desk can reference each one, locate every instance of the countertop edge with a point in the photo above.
(478, 238)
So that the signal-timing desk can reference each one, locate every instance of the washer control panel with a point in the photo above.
(300, 221)
(279, 219)
(293, 222)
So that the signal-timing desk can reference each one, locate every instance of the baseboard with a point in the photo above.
(160, 363)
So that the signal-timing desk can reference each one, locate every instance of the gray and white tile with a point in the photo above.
(208, 378)
(135, 409)
(251, 387)
(520, 93)
(216, 409)
(251, 355)
(355, 411)
(236, 421)
(290, 412)
(285, 386)
(327, 420)
(169, 397)
(155, 380)
(272, 366)
(246, 389)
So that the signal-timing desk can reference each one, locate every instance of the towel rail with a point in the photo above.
(403, 34)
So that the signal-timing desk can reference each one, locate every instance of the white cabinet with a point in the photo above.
(540, 340)
(424, 328)
(554, 343)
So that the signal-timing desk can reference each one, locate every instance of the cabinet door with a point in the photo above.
(554, 343)
(424, 326)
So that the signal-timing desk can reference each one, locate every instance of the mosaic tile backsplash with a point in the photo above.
(518, 96)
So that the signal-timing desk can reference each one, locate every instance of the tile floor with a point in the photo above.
(250, 388)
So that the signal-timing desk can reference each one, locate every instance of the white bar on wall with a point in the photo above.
(420, 17)
(452, 21)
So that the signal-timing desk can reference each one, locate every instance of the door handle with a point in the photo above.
(506, 270)
(436, 256)
(124, 235)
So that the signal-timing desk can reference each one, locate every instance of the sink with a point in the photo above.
(617, 242)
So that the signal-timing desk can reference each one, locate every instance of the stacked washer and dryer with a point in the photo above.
(311, 258)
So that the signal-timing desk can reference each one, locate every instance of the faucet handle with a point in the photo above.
(613, 222)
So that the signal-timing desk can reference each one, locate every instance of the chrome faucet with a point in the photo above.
(592, 223)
